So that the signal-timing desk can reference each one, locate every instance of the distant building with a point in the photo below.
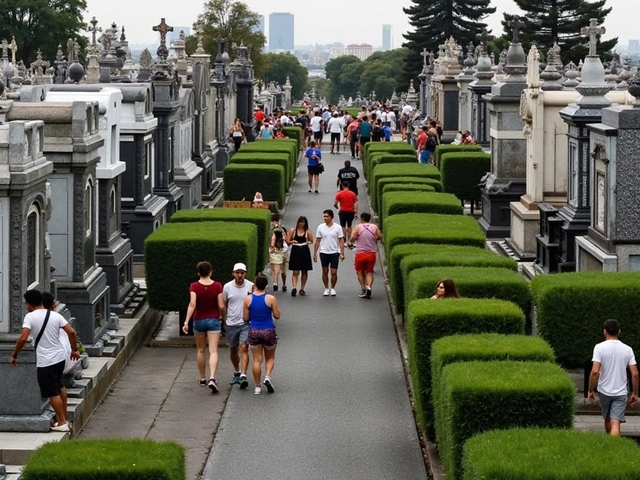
(260, 26)
(281, 32)
(634, 47)
(171, 36)
(387, 43)
(362, 51)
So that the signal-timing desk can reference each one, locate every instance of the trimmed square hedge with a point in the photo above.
(288, 146)
(387, 170)
(432, 228)
(259, 158)
(388, 157)
(442, 149)
(395, 203)
(575, 306)
(545, 453)
(474, 397)
(405, 258)
(407, 187)
(294, 132)
(172, 252)
(429, 320)
(242, 181)
(472, 282)
(387, 147)
(462, 171)
(107, 459)
(260, 217)
(435, 184)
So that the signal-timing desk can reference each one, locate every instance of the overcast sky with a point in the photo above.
(327, 21)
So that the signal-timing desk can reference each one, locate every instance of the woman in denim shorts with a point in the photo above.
(204, 308)
(260, 310)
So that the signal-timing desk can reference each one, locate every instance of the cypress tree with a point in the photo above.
(434, 21)
(549, 21)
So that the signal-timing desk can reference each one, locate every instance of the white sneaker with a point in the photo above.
(257, 390)
(333, 292)
(269, 384)
(326, 292)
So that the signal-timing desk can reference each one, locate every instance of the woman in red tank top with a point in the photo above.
(205, 304)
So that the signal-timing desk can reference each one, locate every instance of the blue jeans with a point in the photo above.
(205, 325)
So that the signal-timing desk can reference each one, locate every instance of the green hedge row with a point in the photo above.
(387, 147)
(383, 182)
(353, 111)
(575, 305)
(407, 187)
(462, 171)
(544, 453)
(442, 149)
(172, 252)
(294, 132)
(241, 182)
(260, 217)
(395, 203)
(108, 459)
(388, 170)
(429, 320)
(473, 397)
(405, 258)
(259, 158)
(386, 157)
(431, 228)
(278, 145)
(472, 282)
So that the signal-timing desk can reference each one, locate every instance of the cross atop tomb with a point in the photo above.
(515, 25)
(593, 30)
(5, 49)
(163, 29)
(484, 40)
(39, 65)
(93, 29)
(424, 54)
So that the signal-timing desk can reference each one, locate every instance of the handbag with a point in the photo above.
(321, 167)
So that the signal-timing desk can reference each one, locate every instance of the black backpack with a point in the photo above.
(432, 142)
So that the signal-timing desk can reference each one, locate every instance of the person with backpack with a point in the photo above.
(51, 355)
(431, 143)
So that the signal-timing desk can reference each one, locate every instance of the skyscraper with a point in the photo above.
(634, 47)
(386, 37)
(281, 32)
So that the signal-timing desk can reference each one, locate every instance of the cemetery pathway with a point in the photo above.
(341, 408)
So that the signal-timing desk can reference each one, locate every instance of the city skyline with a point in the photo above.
(337, 21)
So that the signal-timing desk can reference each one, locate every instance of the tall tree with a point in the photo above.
(381, 73)
(279, 66)
(42, 24)
(549, 21)
(334, 70)
(434, 21)
(232, 20)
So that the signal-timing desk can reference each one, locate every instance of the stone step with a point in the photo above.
(74, 407)
(11, 472)
(16, 447)
(110, 351)
(76, 392)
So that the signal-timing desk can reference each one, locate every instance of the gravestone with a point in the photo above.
(506, 182)
(446, 89)
(480, 87)
(612, 242)
(465, 78)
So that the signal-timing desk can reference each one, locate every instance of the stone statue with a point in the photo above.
(71, 51)
(14, 49)
(145, 59)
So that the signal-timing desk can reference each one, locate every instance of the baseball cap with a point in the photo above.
(239, 266)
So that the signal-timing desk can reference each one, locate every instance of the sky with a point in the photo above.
(327, 21)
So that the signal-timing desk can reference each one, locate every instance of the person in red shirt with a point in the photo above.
(259, 115)
(206, 306)
(347, 203)
(421, 145)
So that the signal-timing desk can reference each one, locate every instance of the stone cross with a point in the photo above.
(14, 49)
(93, 29)
(39, 65)
(593, 30)
(515, 24)
(5, 49)
(484, 40)
(163, 29)
(424, 54)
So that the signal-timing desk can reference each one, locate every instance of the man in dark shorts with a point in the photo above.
(347, 204)
(330, 243)
(349, 174)
(314, 166)
(51, 355)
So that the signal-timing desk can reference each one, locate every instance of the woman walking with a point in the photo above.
(237, 134)
(299, 238)
(260, 310)
(204, 308)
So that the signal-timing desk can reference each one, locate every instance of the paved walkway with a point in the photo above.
(341, 408)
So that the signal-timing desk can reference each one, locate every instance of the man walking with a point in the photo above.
(234, 294)
(330, 243)
(335, 127)
(366, 236)
(51, 355)
(348, 174)
(347, 204)
(609, 372)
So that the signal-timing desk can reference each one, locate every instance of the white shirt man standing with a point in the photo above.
(335, 128)
(234, 294)
(330, 243)
(609, 372)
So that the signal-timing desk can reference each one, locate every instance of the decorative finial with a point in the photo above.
(515, 24)
(593, 30)
(163, 29)
(93, 29)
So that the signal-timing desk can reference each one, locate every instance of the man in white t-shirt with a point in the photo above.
(317, 125)
(234, 293)
(50, 353)
(330, 243)
(335, 128)
(609, 372)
